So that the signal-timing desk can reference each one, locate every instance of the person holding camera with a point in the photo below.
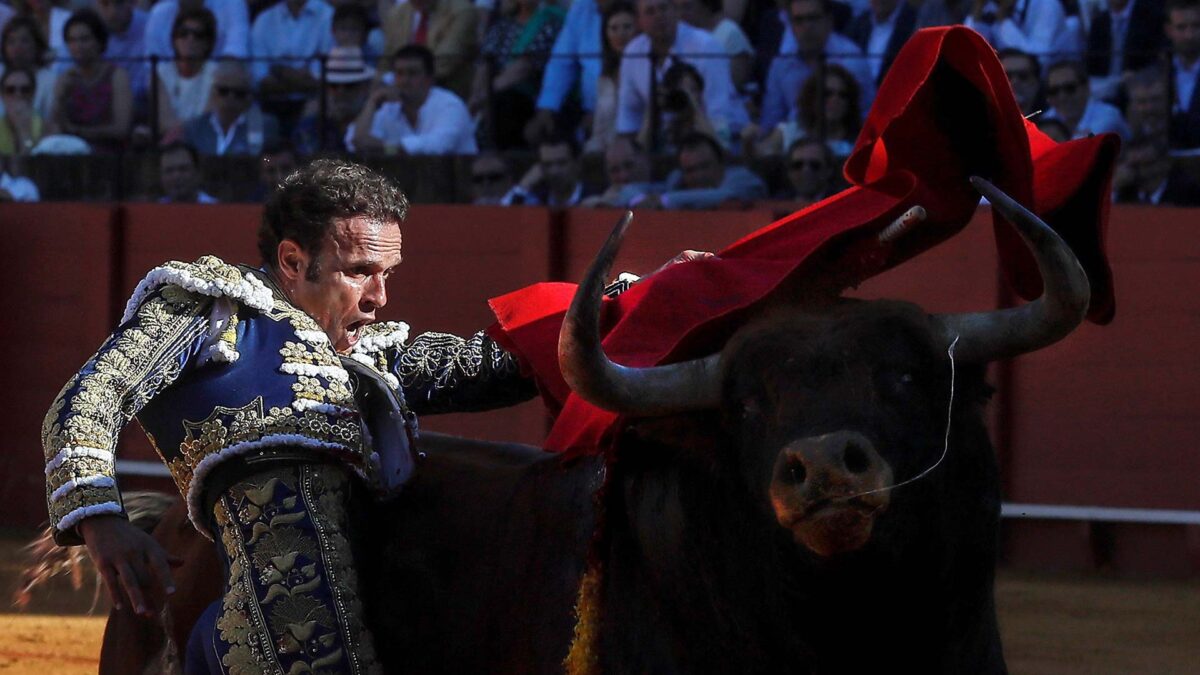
(664, 42)
(682, 111)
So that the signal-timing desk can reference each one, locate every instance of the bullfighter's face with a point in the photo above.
(343, 285)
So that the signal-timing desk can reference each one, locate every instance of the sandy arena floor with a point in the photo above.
(1051, 626)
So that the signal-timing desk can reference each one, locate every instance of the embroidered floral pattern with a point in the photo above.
(80, 431)
(292, 603)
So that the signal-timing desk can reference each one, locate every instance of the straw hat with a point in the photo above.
(346, 64)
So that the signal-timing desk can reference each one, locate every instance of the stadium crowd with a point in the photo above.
(651, 103)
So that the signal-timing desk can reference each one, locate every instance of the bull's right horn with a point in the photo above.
(658, 390)
(1003, 333)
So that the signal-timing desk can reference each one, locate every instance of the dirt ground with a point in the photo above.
(1052, 625)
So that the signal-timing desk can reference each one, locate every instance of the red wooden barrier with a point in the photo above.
(55, 304)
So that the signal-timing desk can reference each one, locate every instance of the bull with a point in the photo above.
(821, 496)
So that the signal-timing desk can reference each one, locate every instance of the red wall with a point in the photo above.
(1105, 418)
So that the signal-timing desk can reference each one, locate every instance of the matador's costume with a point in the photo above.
(265, 429)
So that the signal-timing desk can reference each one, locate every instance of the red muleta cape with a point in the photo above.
(944, 113)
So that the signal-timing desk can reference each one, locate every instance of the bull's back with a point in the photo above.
(474, 568)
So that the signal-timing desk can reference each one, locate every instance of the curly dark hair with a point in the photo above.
(305, 206)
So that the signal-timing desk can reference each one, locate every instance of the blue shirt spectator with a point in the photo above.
(815, 40)
(1067, 90)
(127, 42)
(702, 180)
(233, 27)
(575, 58)
(234, 125)
(289, 34)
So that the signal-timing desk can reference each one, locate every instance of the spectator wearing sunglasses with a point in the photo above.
(234, 125)
(21, 127)
(491, 180)
(92, 99)
(810, 168)
(233, 27)
(185, 82)
(1068, 92)
(22, 45)
(1024, 74)
(826, 108)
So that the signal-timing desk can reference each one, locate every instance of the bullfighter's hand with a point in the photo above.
(684, 256)
(133, 565)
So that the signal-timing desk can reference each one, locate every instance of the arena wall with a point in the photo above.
(1104, 419)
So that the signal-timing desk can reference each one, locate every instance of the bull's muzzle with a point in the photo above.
(827, 490)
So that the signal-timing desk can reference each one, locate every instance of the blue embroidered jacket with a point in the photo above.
(216, 365)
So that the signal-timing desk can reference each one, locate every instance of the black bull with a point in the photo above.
(837, 513)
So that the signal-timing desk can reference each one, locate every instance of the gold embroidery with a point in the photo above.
(123, 375)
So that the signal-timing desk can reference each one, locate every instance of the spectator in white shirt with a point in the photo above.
(707, 14)
(184, 83)
(288, 41)
(179, 175)
(233, 27)
(413, 116)
(664, 40)
(17, 189)
(1037, 27)
(1068, 91)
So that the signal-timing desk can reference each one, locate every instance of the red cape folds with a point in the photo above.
(944, 113)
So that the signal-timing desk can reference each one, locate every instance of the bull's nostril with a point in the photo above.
(797, 473)
(857, 460)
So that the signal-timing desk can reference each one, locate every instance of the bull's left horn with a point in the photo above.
(986, 336)
(659, 390)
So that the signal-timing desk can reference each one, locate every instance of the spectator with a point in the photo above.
(810, 168)
(706, 15)
(665, 39)
(1146, 174)
(184, 83)
(515, 50)
(1148, 110)
(448, 28)
(21, 127)
(50, 20)
(352, 28)
(347, 83)
(491, 180)
(554, 179)
(702, 180)
(1067, 90)
(1037, 27)
(620, 26)
(1024, 74)
(816, 43)
(288, 40)
(92, 98)
(413, 116)
(127, 44)
(179, 174)
(23, 46)
(574, 60)
(17, 189)
(1183, 32)
(881, 31)
(826, 108)
(233, 27)
(628, 170)
(680, 100)
(234, 125)
(1125, 36)
(276, 163)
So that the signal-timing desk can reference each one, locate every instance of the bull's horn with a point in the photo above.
(659, 390)
(986, 336)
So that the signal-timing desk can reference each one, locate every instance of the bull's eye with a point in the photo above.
(796, 473)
